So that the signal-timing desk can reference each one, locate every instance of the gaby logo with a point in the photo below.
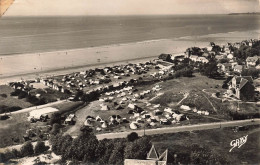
(238, 142)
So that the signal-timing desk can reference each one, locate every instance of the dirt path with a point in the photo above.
(185, 96)
(81, 115)
(215, 125)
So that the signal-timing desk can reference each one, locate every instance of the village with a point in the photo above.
(202, 85)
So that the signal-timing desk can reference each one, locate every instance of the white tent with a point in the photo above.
(132, 106)
(104, 125)
(185, 107)
(133, 126)
(104, 108)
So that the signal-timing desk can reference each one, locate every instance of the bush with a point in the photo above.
(40, 147)
(27, 149)
(4, 95)
(22, 95)
(55, 129)
(55, 118)
(132, 136)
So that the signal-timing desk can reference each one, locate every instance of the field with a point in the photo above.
(173, 92)
(10, 101)
(217, 141)
(12, 129)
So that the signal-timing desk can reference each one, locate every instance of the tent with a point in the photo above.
(104, 125)
(104, 108)
(133, 126)
(185, 107)
(132, 106)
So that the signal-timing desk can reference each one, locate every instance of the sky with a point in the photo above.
(129, 7)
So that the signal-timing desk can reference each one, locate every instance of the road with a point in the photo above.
(180, 129)
(162, 130)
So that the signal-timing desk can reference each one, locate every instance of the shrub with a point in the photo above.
(132, 136)
(27, 149)
(55, 118)
(4, 95)
(55, 129)
(40, 147)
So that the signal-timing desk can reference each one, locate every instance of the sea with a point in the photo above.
(19, 35)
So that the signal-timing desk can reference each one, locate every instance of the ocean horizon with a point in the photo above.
(20, 35)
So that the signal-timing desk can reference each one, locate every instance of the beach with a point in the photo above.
(31, 65)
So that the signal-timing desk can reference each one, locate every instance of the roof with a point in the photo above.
(252, 59)
(164, 156)
(227, 64)
(243, 80)
(153, 154)
(238, 67)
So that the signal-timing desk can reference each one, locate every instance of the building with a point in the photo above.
(224, 67)
(252, 61)
(242, 87)
(238, 68)
(165, 57)
(153, 158)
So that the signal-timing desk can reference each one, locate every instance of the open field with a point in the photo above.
(175, 92)
(11, 101)
(13, 129)
(217, 139)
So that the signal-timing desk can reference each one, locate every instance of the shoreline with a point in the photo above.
(15, 67)
(189, 37)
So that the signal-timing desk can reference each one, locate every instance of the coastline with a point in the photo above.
(28, 66)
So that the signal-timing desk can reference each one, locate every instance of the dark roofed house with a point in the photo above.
(242, 87)
(165, 57)
(252, 61)
(153, 158)
(238, 68)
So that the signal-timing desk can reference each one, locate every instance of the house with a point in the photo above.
(230, 56)
(225, 67)
(242, 87)
(193, 58)
(71, 119)
(252, 61)
(165, 57)
(202, 59)
(239, 68)
(104, 107)
(153, 158)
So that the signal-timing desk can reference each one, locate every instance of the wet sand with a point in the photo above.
(28, 66)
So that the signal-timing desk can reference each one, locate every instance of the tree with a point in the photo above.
(201, 155)
(132, 137)
(40, 147)
(251, 72)
(84, 146)
(117, 155)
(55, 118)
(104, 150)
(66, 148)
(27, 149)
(138, 149)
(210, 69)
(216, 49)
(55, 128)
(224, 60)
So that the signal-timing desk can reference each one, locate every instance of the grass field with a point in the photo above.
(11, 101)
(14, 127)
(217, 141)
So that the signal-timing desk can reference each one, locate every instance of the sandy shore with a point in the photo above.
(27, 66)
